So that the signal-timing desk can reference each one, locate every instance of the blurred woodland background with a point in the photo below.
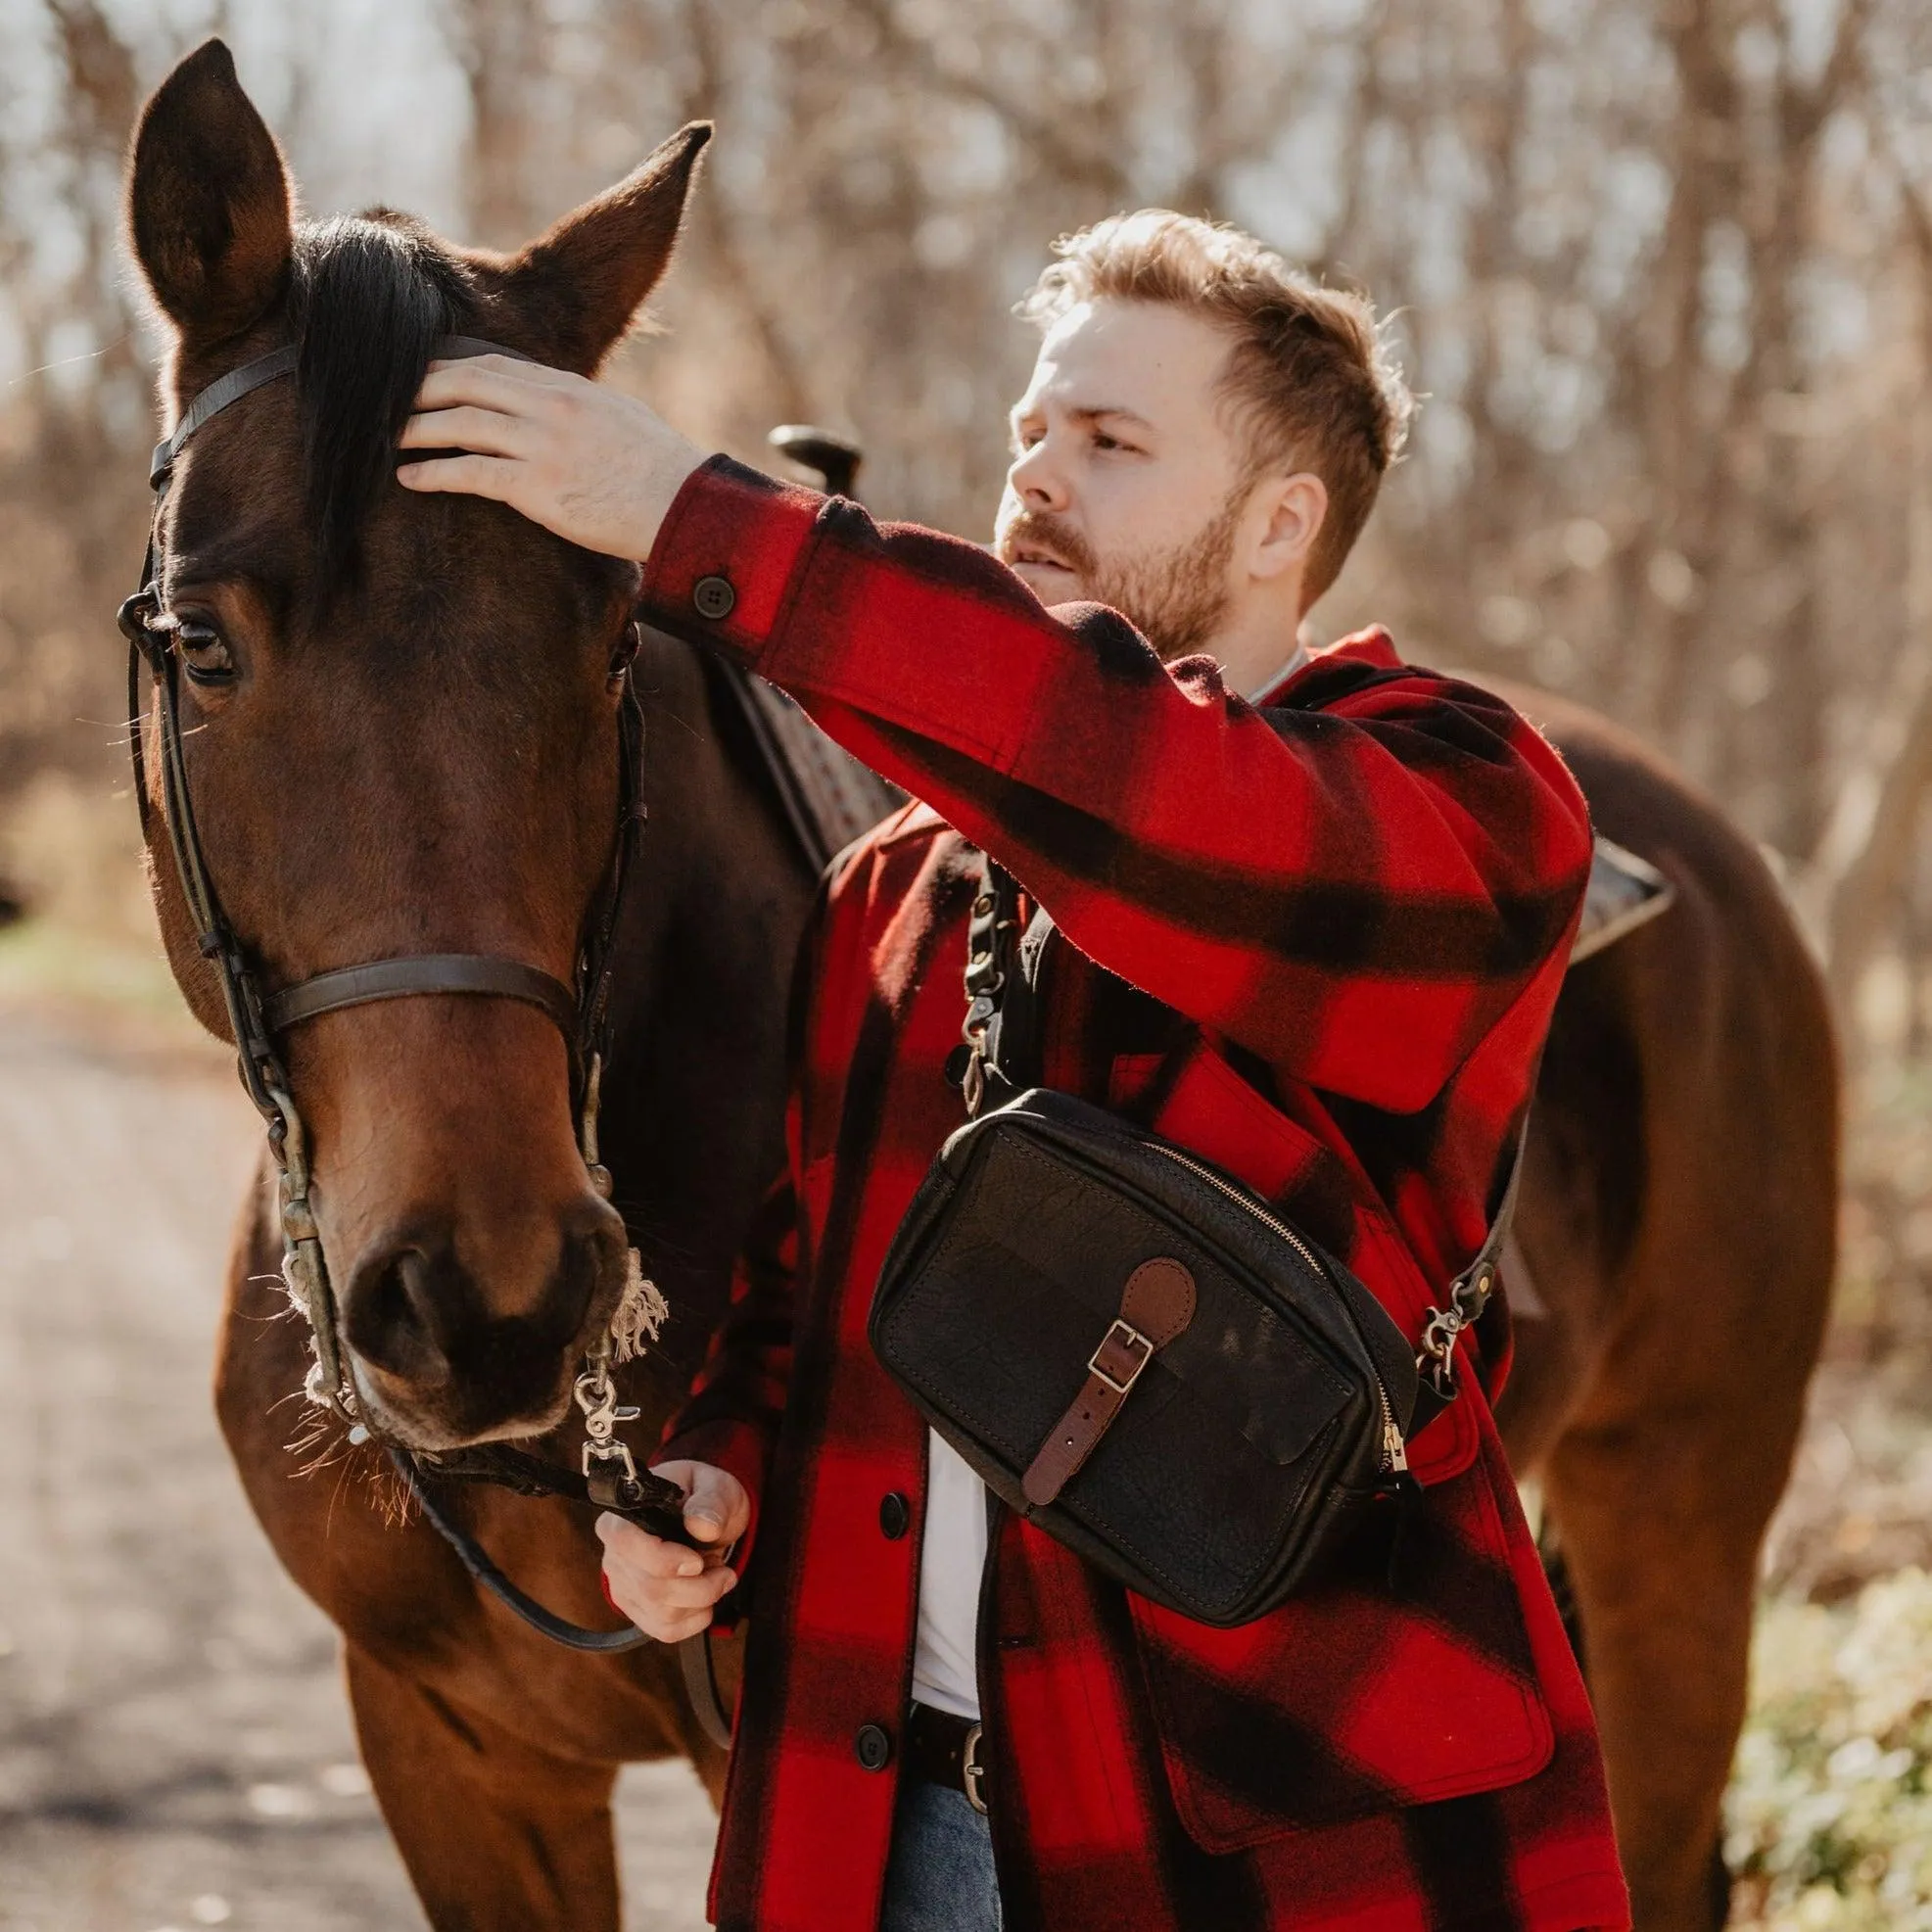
(1660, 268)
(1663, 269)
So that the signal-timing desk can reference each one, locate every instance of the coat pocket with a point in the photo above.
(1353, 1700)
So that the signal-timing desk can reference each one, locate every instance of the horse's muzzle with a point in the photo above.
(447, 1349)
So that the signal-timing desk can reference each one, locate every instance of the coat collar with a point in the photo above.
(1373, 645)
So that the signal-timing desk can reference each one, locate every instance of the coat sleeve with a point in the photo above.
(1356, 886)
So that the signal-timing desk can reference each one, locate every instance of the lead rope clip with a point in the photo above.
(1437, 1360)
(634, 1323)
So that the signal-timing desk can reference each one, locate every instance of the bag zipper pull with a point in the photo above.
(1394, 1451)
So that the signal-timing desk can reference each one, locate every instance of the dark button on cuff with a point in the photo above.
(714, 598)
(872, 1747)
(895, 1516)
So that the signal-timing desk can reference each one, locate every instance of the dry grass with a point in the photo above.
(1830, 1808)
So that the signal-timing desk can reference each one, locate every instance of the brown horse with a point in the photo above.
(402, 739)
(1680, 1218)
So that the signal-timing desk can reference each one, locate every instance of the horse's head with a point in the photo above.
(400, 722)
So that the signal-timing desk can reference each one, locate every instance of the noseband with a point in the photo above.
(259, 1019)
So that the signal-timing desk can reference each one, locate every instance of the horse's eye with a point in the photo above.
(626, 650)
(205, 653)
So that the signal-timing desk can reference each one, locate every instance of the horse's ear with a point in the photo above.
(577, 289)
(207, 200)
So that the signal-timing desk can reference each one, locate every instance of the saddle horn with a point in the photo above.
(834, 458)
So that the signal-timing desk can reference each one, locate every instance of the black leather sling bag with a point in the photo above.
(1131, 1348)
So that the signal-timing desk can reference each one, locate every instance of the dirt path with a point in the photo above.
(174, 1744)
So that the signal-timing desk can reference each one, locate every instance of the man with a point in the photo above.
(1333, 922)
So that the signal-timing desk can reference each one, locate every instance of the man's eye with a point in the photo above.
(204, 652)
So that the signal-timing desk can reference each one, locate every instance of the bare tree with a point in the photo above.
(1650, 262)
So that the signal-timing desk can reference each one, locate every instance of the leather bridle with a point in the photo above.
(258, 1017)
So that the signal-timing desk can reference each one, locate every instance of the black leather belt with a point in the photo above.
(942, 1749)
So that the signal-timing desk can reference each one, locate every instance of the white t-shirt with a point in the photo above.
(952, 1559)
(1282, 676)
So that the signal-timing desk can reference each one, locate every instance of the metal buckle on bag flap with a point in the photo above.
(1123, 1338)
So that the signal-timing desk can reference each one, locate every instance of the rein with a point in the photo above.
(610, 1478)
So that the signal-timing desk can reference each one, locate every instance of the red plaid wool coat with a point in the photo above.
(1338, 922)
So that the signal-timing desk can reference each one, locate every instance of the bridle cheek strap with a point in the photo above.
(258, 1019)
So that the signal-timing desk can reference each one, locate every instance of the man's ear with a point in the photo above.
(1294, 508)
(577, 289)
(207, 200)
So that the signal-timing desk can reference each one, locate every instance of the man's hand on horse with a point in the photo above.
(666, 1589)
(594, 465)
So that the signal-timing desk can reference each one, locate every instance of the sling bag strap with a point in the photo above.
(1000, 1058)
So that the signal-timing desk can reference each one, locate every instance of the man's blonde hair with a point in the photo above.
(1309, 377)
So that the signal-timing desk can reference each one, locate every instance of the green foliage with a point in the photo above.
(1830, 1807)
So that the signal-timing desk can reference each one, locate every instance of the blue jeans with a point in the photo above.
(940, 1876)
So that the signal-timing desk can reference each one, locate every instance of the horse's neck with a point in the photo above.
(695, 1097)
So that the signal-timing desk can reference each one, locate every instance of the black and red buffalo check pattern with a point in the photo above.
(1336, 925)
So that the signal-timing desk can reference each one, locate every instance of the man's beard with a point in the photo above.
(1176, 599)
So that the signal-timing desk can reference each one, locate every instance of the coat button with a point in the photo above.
(895, 1516)
(714, 598)
(872, 1747)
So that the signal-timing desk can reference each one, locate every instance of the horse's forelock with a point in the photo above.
(371, 293)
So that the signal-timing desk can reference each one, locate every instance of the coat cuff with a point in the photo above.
(725, 556)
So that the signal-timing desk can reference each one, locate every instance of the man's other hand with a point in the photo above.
(667, 1590)
(594, 465)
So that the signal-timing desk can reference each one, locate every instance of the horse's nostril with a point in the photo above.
(496, 1344)
(398, 1313)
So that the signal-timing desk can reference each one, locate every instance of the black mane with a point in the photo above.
(370, 296)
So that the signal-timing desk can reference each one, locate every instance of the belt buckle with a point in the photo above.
(971, 1771)
(1124, 1334)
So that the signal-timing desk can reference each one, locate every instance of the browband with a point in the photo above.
(279, 362)
(422, 973)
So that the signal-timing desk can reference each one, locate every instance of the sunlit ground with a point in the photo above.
(175, 1747)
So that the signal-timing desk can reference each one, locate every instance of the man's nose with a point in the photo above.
(1037, 481)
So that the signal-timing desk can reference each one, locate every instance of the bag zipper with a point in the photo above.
(1394, 1451)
